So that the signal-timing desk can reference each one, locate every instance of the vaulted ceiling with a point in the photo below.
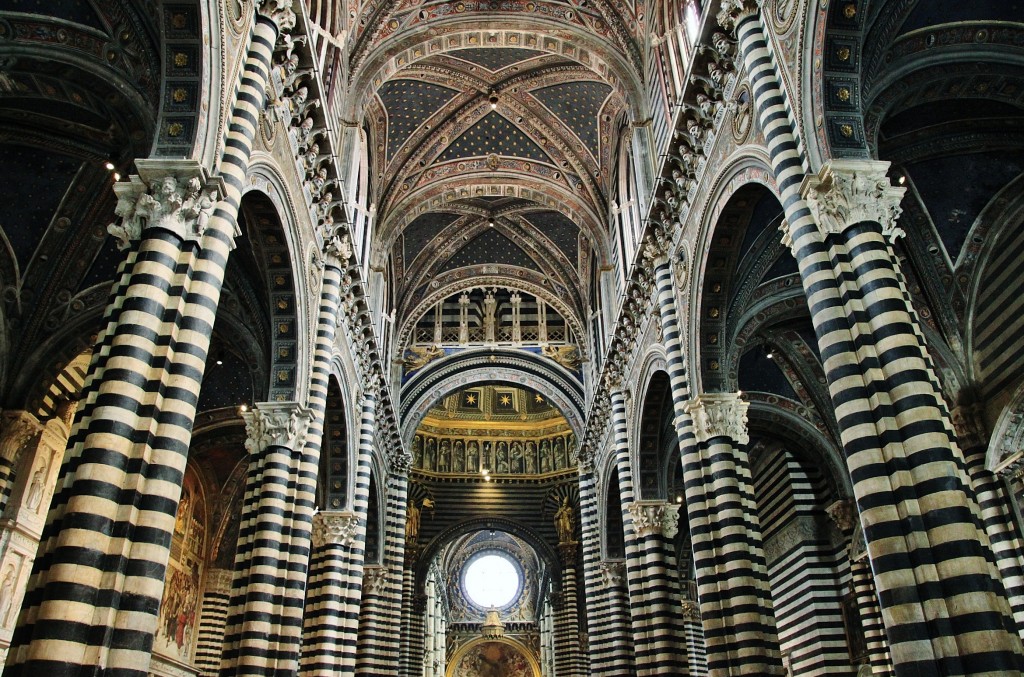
(492, 129)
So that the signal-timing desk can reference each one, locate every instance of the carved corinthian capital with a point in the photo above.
(279, 424)
(334, 528)
(278, 11)
(175, 195)
(846, 192)
(655, 518)
(733, 11)
(18, 429)
(719, 415)
(375, 579)
(613, 573)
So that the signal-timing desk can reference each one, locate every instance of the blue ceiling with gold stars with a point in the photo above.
(490, 246)
(577, 104)
(493, 134)
(24, 220)
(559, 229)
(409, 103)
(495, 58)
(423, 229)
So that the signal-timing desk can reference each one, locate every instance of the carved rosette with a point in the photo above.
(19, 427)
(847, 192)
(334, 528)
(375, 579)
(655, 518)
(613, 574)
(278, 424)
(175, 195)
(719, 415)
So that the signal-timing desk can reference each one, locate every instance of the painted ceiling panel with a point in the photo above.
(490, 246)
(423, 229)
(42, 177)
(409, 103)
(104, 266)
(493, 134)
(577, 104)
(495, 58)
(559, 229)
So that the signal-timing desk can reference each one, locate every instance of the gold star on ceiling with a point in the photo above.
(538, 399)
(470, 399)
(506, 400)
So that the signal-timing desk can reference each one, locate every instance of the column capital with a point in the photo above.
(279, 424)
(567, 551)
(969, 424)
(734, 11)
(337, 249)
(219, 580)
(334, 527)
(846, 192)
(719, 415)
(613, 573)
(655, 517)
(278, 11)
(375, 578)
(176, 195)
(19, 427)
(843, 514)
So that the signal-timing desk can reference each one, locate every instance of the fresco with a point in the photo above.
(493, 659)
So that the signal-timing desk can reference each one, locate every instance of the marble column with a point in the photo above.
(212, 617)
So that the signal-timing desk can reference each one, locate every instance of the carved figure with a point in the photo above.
(412, 522)
(417, 357)
(564, 522)
(472, 457)
(35, 490)
(567, 356)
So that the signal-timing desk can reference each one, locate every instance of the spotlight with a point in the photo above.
(902, 180)
(769, 352)
(109, 165)
(117, 177)
(493, 98)
(679, 499)
(220, 362)
(243, 407)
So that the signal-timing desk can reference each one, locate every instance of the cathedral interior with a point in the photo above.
(511, 338)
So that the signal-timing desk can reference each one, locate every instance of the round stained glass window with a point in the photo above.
(491, 580)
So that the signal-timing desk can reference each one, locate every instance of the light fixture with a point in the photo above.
(679, 499)
(493, 98)
(220, 362)
(490, 221)
(109, 165)
(769, 352)
(117, 177)
(243, 407)
(902, 180)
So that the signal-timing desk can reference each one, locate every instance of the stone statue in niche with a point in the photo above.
(472, 456)
(570, 446)
(502, 457)
(487, 458)
(34, 498)
(444, 456)
(417, 451)
(7, 593)
(517, 457)
(459, 456)
(545, 456)
(564, 522)
(531, 457)
(560, 461)
(412, 522)
(430, 454)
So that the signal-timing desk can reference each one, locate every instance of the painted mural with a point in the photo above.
(493, 659)
(179, 608)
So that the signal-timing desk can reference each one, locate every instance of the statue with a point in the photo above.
(567, 356)
(417, 357)
(35, 489)
(412, 522)
(564, 522)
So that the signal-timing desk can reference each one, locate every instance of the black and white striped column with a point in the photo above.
(568, 658)
(942, 602)
(114, 515)
(212, 617)
(607, 607)
(380, 623)
(323, 626)
(263, 632)
(995, 504)
(732, 576)
(696, 652)
(655, 523)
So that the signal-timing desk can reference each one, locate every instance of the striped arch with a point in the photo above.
(654, 437)
(467, 367)
(517, 529)
(273, 233)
